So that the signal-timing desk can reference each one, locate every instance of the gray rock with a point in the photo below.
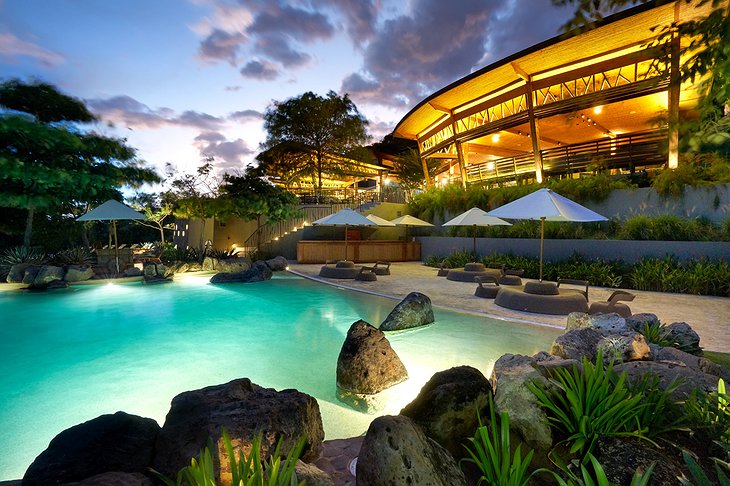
(578, 320)
(150, 270)
(257, 273)
(610, 323)
(685, 337)
(78, 273)
(413, 311)
(55, 285)
(510, 377)
(277, 264)
(621, 457)
(233, 265)
(667, 372)
(47, 274)
(30, 274)
(179, 267)
(395, 451)
(637, 321)
(366, 363)
(312, 475)
(194, 267)
(244, 410)
(448, 406)
(695, 362)
(627, 347)
(576, 344)
(115, 479)
(17, 272)
(209, 264)
(133, 272)
(226, 278)
(118, 442)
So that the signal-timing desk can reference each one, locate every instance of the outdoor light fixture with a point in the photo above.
(597, 110)
(495, 138)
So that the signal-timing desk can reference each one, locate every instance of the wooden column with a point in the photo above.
(459, 153)
(673, 97)
(534, 126)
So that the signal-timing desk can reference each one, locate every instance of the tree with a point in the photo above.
(158, 208)
(409, 170)
(251, 196)
(316, 128)
(47, 161)
(706, 58)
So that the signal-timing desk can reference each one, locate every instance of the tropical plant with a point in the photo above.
(586, 405)
(20, 254)
(221, 254)
(709, 413)
(699, 477)
(597, 477)
(246, 469)
(77, 255)
(492, 454)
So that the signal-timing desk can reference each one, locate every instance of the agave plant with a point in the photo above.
(20, 254)
(77, 255)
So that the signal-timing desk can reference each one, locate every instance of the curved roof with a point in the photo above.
(626, 32)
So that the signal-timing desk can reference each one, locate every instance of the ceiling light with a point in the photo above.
(495, 138)
(597, 110)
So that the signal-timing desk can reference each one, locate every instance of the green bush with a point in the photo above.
(77, 255)
(20, 254)
(701, 277)
(669, 228)
(708, 414)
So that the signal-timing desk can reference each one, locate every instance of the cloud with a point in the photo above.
(229, 155)
(134, 114)
(300, 25)
(360, 17)
(12, 47)
(264, 71)
(221, 45)
(245, 115)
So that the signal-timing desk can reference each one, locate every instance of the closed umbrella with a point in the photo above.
(344, 217)
(546, 205)
(409, 220)
(475, 217)
(112, 211)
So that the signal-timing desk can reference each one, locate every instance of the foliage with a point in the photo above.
(20, 254)
(409, 171)
(701, 277)
(492, 454)
(656, 333)
(708, 414)
(668, 228)
(598, 477)
(699, 476)
(310, 132)
(46, 165)
(77, 255)
(251, 196)
(588, 404)
(246, 469)
(693, 170)
(158, 208)
(171, 253)
(221, 254)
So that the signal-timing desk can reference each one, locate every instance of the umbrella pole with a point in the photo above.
(542, 241)
(116, 245)
(475, 242)
(345, 242)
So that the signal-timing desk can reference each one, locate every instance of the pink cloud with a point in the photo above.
(13, 47)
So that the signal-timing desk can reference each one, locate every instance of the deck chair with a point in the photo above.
(580, 283)
(366, 274)
(511, 276)
(488, 292)
(444, 268)
(613, 304)
(381, 268)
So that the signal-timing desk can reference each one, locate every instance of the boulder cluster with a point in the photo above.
(423, 444)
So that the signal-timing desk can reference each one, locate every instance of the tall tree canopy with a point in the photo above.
(47, 161)
(304, 132)
(706, 59)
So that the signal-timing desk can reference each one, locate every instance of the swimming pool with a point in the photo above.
(69, 356)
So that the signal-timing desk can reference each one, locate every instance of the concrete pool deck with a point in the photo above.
(709, 316)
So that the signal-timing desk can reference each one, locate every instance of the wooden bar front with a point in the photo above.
(365, 251)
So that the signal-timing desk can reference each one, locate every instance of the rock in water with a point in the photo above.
(119, 442)
(244, 410)
(413, 311)
(396, 451)
(367, 364)
(277, 264)
(448, 405)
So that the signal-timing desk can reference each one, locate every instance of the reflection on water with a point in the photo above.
(69, 356)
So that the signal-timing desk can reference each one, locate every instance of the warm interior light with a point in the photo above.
(490, 165)
(386, 181)
(495, 138)
(597, 110)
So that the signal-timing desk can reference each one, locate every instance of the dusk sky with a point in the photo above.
(184, 79)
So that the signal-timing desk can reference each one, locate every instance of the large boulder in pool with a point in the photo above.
(47, 274)
(244, 410)
(367, 364)
(120, 442)
(413, 311)
(448, 406)
(257, 273)
(277, 264)
(17, 272)
(233, 265)
(396, 451)
(78, 273)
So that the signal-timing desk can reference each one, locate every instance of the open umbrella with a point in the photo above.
(546, 205)
(112, 211)
(409, 220)
(379, 221)
(475, 217)
(344, 217)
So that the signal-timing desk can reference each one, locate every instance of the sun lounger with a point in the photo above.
(381, 268)
(581, 283)
(613, 304)
(444, 268)
(488, 292)
(366, 274)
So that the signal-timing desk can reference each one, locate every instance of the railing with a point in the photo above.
(273, 231)
(627, 152)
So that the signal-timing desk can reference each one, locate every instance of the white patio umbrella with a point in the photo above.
(112, 211)
(344, 217)
(546, 205)
(409, 220)
(475, 217)
(379, 221)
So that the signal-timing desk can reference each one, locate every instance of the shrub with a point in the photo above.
(221, 254)
(708, 414)
(77, 255)
(20, 254)
(669, 228)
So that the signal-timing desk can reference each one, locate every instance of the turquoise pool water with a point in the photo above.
(69, 356)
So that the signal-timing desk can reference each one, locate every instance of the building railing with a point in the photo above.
(627, 152)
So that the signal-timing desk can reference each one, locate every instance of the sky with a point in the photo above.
(183, 80)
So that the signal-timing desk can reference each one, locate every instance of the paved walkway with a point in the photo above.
(709, 316)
